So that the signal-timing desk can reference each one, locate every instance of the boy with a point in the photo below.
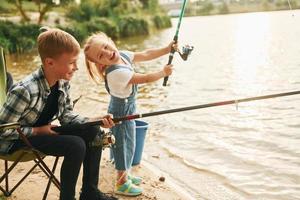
(34, 102)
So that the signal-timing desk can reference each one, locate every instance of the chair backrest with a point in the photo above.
(2, 77)
(3, 92)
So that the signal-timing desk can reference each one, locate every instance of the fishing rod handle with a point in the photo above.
(171, 55)
(169, 62)
(69, 128)
(165, 80)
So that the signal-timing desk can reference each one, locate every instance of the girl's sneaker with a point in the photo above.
(136, 180)
(128, 189)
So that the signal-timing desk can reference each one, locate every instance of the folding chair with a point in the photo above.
(25, 154)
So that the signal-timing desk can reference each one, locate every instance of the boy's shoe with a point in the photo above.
(128, 189)
(136, 180)
(99, 196)
(103, 196)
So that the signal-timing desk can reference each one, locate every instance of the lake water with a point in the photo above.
(245, 151)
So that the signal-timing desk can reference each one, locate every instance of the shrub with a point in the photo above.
(78, 30)
(103, 24)
(18, 37)
(130, 26)
(82, 12)
(162, 21)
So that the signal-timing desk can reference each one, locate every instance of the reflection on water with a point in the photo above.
(246, 152)
(21, 65)
(251, 51)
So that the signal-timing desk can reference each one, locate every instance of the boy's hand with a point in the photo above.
(168, 69)
(44, 130)
(107, 121)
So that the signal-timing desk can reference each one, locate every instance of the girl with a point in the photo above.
(103, 59)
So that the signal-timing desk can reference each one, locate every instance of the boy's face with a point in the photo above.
(103, 51)
(64, 66)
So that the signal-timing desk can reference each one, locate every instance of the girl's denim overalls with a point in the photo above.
(123, 149)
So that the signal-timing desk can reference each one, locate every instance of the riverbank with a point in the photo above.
(118, 21)
(33, 187)
(154, 188)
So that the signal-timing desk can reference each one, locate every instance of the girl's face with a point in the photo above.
(103, 51)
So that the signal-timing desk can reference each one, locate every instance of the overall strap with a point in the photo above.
(115, 67)
(125, 56)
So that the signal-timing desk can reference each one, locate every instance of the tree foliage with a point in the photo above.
(42, 6)
(152, 5)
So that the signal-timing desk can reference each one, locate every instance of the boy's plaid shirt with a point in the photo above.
(25, 102)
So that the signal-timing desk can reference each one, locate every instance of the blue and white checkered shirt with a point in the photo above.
(25, 102)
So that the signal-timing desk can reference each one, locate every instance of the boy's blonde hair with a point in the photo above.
(96, 73)
(54, 42)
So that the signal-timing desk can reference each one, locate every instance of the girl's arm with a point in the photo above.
(138, 78)
(152, 53)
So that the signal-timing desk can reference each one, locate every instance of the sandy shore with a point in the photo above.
(34, 185)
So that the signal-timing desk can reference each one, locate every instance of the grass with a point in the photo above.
(2, 197)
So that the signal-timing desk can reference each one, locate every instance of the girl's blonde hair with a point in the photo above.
(96, 73)
(53, 42)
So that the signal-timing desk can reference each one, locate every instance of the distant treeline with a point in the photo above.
(206, 7)
(117, 18)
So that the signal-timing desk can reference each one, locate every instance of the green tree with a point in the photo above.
(144, 3)
(223, 9)
(152, 5)
(43, 6)
(266, 4)
(206, 8)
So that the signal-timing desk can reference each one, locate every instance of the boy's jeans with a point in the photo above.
(76, 150)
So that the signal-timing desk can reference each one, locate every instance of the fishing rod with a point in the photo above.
(187, 49)
(74, 127)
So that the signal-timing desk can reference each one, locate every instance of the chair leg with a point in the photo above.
(6, 173)
(50, 178)
(22, 179)
(38, 162)
(6, 181)
(6, 178)
(49, 173)
(11, 167)
(4, 192)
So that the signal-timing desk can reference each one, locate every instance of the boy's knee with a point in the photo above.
(78, 146)
(91, 132)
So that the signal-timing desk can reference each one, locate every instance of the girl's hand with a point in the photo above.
(174, 45)
(107, 121)
(168, 69)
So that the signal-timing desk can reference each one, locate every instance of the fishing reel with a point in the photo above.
(105, 140)
(108, 139)
(186, 51)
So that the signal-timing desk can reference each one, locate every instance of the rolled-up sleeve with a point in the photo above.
(68, 116)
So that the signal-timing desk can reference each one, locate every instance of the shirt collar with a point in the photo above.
(40, 75)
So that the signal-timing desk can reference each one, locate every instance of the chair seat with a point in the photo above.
(28, 155)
